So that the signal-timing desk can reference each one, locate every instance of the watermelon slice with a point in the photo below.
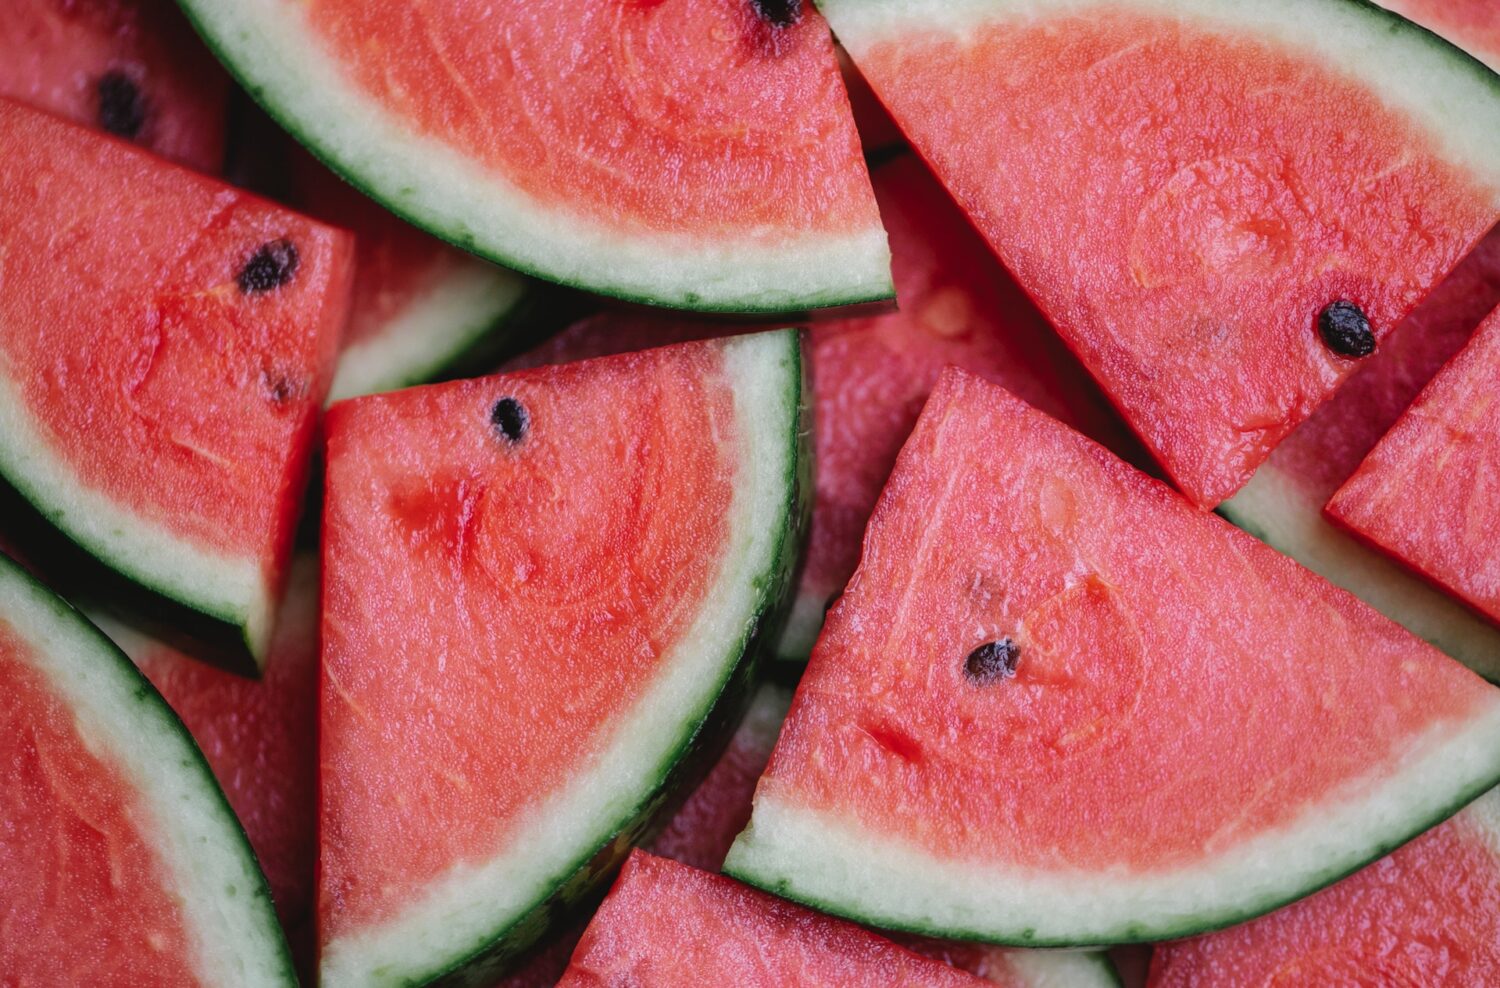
(1222, 265)
(538, 589)
(1283, 503)
(690, 153)
(130, 67)
(1427, 915)
(165, 344)
(1012, 728)
(121, 863)
(1427, 491)
(1473, 25)
(258, 736)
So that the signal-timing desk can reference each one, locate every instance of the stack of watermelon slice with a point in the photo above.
(696, 645)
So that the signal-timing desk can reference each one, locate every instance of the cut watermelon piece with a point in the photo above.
(130, 67)
(1473, 25)
(121, 863)
(259, 737)
(165, 344)
(421, 310)
(1427, 915)
(1283, 503)
(698, 154)
(1219, 267)
(871, 375)
(1427, 491)
(538, 589)
(1011, 728)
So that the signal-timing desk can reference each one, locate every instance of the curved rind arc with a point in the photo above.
(226, 903)
(472, 909)
(837, 866)
(435, 187)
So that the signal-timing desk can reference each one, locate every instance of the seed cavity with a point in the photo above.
(510, 419)
(282, 388)
(273, 264)
(778, 13)
(1345, 330)
(992, 662)
(122, 105)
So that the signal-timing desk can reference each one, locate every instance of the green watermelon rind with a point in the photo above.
(1271, 509)
(124, 714)
(702, 735)
(285, 72)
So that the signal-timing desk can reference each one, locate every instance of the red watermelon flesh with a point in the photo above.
(1429, 914)
(131, 67)
(1473, 25)
(1187, 256)
(1427, 491)
(667, 924)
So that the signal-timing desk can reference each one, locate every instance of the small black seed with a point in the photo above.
(511, 418)
(280, 388)
(122, 106)
(993, 661)
(778, 13)
(1345, 330)
(272, 265)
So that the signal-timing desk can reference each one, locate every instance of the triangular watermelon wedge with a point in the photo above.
(120, 863)
(1222, 206)
(1429, 914)
(698, 154)
(542, 593)
(1057, 705)
(165, 344)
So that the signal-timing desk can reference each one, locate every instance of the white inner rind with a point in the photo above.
(832, 861)
(1452, 97)
(450, 315)
(232, 927)
(1273, 508)
(463, 909)
(1060, 969)
(279, 57)
(233, 589)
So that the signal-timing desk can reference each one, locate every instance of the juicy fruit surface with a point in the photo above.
(1189, 273)
(1133, 614)
(1473, 25)
(153, 374)
(1429, 914)
(676, 115)
(131, 67)
(667, 924)
(1426, 492)
(551, 572)
(84, 898)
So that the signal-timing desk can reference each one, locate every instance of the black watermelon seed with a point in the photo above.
(122, 106)
(1345, 330)
(510, 417)
(993, 661)
(272, 265)
(778, 13)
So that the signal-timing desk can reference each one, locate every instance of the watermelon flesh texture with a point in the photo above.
(1283, 503)
(1088, 790)
(697, 154)
(1473, 25)
(1186, 256)
(1429, 914)
(119, 849)
(593, 548)
(129, 67)
(1426, 493)
(871, 375)
(165, 343)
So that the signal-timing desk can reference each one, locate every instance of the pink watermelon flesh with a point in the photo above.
(666, 924)
(130, 67)
(86, 898)
(871, 375)
(1429, 914)
(1473, 25)
(1427, 491)
(999, 523)
(1184, 256)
